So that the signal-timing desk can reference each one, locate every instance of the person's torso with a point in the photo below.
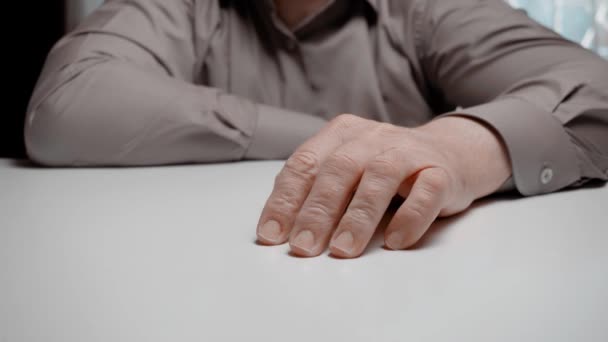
(355, 57)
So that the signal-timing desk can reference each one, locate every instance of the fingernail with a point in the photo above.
(345, 242)
(395, 240)
(305, 241)
(270, 231)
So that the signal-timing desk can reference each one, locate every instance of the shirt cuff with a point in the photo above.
(542, 155)
(279, 132)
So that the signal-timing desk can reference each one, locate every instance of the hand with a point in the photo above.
(336, 187)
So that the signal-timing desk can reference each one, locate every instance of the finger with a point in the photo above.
(379, 184)
(295, 180)
(328, 198)
(420, 209)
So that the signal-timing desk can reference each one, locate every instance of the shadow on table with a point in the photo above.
(432, 236)
(23, 163)
(27, 164)
(440, 227)
(437, 229)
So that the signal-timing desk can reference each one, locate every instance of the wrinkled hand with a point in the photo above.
(335, 189)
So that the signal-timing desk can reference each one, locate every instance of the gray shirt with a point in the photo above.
(148, 82)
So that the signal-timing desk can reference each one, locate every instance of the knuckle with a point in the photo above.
(328, 193)
(437, 182)
(303, 164)
(383, 168)
(345, 120)
(376, 186)
(340, 162)
(416, 211)
(315, 212)
(278, 179)
(286, 201)
(421, 205)
(362, 213)
(424, 202)
(384, 128)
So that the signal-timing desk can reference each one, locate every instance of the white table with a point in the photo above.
(168, 254)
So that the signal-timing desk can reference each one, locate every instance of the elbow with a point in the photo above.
(49, 138)
(56, 133)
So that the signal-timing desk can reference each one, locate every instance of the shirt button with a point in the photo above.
(546, 176)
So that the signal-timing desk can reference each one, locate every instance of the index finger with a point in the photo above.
(294, 182)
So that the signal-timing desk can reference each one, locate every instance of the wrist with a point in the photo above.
(475, 150)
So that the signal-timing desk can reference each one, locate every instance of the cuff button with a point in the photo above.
(546, 176)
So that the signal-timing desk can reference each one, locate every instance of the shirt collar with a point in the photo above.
(372, 6)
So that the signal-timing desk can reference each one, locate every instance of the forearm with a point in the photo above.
(115, 114)
(554, 125)
(124, 89)
(112, 113)
(547, 98)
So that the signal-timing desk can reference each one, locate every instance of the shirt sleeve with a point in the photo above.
(122, 90)
(545, 96)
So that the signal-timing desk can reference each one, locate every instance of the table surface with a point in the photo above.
(169, 254)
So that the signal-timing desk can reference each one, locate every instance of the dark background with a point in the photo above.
(32, 30)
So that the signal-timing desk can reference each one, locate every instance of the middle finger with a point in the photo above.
(379, 184)
(328, 198)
